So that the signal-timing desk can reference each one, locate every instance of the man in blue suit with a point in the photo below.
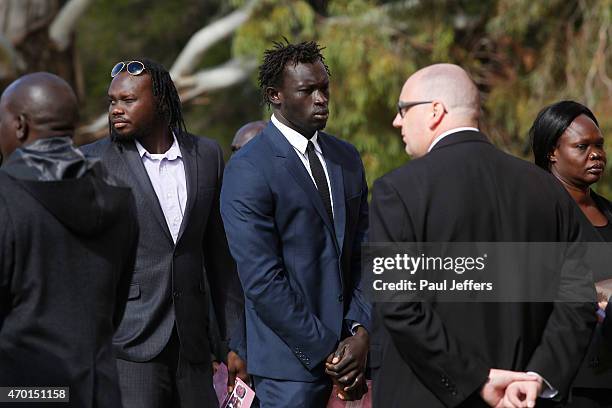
(294, 205)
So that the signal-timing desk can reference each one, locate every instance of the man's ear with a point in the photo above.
(274, 95)
(22, 128)
(437, 112)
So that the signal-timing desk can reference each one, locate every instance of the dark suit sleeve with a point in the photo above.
(606, 326)
(248, 213)
(218, 348)
(570, 326)
(238, 338)
(222, 276)
(415, 328)
(360, 310)
(7, 261)
(127, 271)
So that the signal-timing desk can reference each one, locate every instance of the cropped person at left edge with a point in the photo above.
(163, 348)
(67, 244)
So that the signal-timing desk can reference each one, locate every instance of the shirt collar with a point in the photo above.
(448, 132)
(295, 138)
(171, 154)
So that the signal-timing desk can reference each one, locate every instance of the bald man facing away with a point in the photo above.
(460, 188)
(67, 246)
(246, 133)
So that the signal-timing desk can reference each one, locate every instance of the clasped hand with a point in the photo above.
(346, 366)
(511, 389)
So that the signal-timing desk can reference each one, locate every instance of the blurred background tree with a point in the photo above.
(523, 54)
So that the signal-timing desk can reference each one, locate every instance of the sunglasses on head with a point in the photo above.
(132, 68)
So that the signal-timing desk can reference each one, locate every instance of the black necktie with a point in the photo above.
(320, 180)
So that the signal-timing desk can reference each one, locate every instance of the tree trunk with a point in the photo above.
(24, 24)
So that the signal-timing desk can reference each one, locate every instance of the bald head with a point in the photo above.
(436, 99)
(246, 133)
(34, 107)
(450, 84)
(46, 100)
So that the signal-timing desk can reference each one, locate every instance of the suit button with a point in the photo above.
(340, 298)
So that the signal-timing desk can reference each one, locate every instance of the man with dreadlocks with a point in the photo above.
(294, 205)
(162, 344)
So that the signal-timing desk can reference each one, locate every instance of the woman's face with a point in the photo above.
(579, 158)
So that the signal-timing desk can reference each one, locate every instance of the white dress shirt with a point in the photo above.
(167, 174)
(299, 144)
(448, 132)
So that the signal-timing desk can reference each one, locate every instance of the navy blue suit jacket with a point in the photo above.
(301, 274)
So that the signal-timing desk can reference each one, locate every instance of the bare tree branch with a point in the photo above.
(603, 54)
(190, 85)
(597, 62)
(64, 23)
(219, 77)
(378, 15)
(15, 63)
(208, 36)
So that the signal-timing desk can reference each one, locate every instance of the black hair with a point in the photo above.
(550, 124)
(276, 59)
(166, 95)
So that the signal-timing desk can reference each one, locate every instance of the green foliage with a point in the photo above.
(365, 82)
(114, 31)
(350, 8)
(523, 55)
(271, 21)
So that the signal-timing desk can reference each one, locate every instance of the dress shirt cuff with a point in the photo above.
(548, 391)
(354, 326)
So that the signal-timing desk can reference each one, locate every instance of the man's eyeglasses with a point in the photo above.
(402, 107)
(132, 68)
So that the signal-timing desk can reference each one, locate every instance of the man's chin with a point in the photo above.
(122, 137)
(320, 124)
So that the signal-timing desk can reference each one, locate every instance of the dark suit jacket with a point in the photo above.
(66, 258)
(466, 190)
(170, 281)
(596, 369)
(301, 274)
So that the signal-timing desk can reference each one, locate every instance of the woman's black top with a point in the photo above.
(606, 232)
(605, 207)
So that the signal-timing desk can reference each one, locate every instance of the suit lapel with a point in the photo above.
(296, 168)
(336, 179)
(190, 163)
(141, 182)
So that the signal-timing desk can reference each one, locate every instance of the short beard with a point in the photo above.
(116, 137)
(135, 135)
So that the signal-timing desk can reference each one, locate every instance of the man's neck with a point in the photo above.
(286, 122)
(450, 130)
(158, 142)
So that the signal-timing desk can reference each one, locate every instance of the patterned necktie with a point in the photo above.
(320, 180)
